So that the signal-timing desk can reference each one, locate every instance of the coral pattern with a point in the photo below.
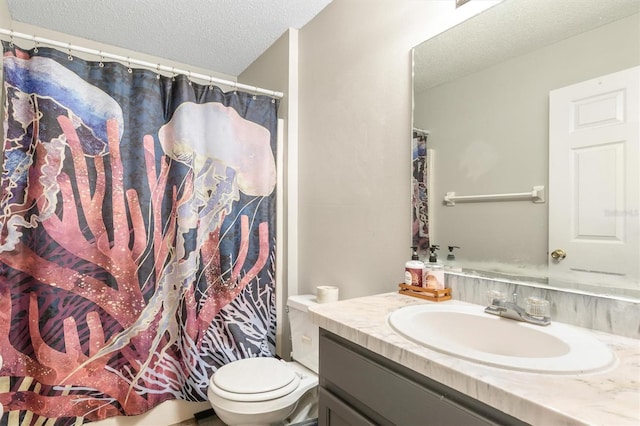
(136, 237)
(419, 194)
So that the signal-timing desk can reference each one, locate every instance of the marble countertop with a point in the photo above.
(606, 398)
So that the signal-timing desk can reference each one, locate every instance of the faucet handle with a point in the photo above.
(538, 307)
(495, 297)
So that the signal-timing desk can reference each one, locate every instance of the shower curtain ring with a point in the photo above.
(158, 71)
(210, 82)
(129, 70)
(173, 72)
(69, 56)
(101, 63)
(189, 77)
(255, 91)
(11, 39)
(35, 47)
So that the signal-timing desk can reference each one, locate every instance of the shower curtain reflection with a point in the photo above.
(420, 191)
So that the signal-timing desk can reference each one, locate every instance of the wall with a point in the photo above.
(354, 140)
(277, 69)
(338, 47)
(503, 145)
(5, 18)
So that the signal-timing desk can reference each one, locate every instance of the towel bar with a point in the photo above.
(536, 195)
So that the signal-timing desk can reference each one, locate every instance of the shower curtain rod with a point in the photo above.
(145, 64)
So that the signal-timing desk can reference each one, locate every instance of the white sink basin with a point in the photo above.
(466, 331)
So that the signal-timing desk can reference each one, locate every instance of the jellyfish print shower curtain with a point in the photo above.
(137, 237)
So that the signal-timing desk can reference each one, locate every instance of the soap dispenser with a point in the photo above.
(451, 262)
(433, 256)
(414, 270)
(451, 256)
(435, 271)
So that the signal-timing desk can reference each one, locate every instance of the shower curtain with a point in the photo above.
(419, 193)
(137, 236)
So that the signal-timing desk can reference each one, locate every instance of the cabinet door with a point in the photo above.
(390, 394)
(333, 412)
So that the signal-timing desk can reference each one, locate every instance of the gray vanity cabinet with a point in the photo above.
(359, 387)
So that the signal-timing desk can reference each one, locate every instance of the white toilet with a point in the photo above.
(267, 391)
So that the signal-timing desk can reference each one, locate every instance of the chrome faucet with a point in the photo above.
(536, 311)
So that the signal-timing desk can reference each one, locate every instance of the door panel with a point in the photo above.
(594, 183)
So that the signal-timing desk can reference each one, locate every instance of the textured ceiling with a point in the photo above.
(509, 29)
(223, 36)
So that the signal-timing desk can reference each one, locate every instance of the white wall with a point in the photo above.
(354, 140)
(277, 69)
(489, 131)
(5, 18)
(361, 46)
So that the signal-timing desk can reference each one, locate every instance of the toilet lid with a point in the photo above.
(255, 379)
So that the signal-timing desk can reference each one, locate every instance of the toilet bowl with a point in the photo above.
(238, 400)
(267, 391)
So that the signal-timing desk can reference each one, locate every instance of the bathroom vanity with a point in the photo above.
(369, 374)
(357, 385)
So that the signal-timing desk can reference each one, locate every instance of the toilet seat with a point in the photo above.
(254, 380)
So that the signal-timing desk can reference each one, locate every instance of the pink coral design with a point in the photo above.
(121, 311)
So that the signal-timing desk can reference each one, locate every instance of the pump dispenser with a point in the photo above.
(451, 256)
(414, 270)
(435, 271)
(451, 263)
(433, 257)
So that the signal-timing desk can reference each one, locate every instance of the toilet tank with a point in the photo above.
(304, 334)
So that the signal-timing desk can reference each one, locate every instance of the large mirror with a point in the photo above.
(482, 101)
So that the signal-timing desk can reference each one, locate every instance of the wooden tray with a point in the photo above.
(425, 293)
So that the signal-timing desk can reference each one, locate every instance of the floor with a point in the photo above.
(210, 419)
(207, 418)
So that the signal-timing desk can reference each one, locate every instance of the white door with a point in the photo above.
(594, 178)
